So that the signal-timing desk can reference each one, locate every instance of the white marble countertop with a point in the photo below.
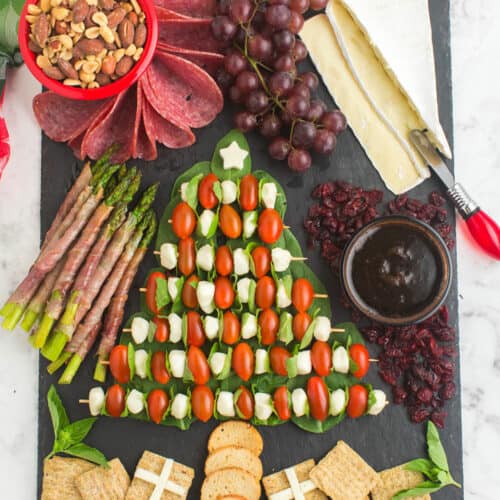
(476, 79)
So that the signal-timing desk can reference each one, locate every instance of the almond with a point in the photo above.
(141, 33)
(133, 18)
(116, 17)
(34, 47)
(88, 19)
(102, 79)
(124, 66)
(107, 4)
(126, 31)
(80, 11)
(67, 69)
(41, 29)
(61, 27)
(90, 47)
(53, 72)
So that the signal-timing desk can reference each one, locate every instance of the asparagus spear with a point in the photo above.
(78, 253)
(82, 341)
(116, 310)
(52, 253)
(81, 297)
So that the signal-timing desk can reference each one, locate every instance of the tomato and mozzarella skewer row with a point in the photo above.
(315, 401)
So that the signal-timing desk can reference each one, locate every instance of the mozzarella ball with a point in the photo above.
(322, 327)
(141, 359)
(175, 324)
(268, 194)
(135, 402)
(337, 402)
(211, 327)
(168, 256)
(340, 360)
(205, 257)
(299, 402)
(225, 405)
(140, 329)
(177, 360)
(281, 259)
(180, 406)
(229, 192)
(96, 400)
(241, 262)
(380, 402)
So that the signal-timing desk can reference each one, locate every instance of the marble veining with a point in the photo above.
(476, 79)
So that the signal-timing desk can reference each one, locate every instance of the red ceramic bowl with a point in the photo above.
(114, 88)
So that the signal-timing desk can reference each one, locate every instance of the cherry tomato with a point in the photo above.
(115, 400)
(202, 402)
(198, 365)
(162, 332)
(302, 294)
(261, 257)
(157, 405)
(245, 404)
(269, 323)
(151, 290)
(159, 367)
(300, 324)
(321, 358)
(206, 195)
(224, 292)
(269, 226)
(224, 261)
(360, 355)
(278, 356)
(118, 364)
(195, 332)
(249, 192)
(358, 401)
(187, 256)
(318, 397)
(183, 220)
(189, 298)
(231, 328)
(281, 402)
(265, 292)
(230, 222)
(243, 361)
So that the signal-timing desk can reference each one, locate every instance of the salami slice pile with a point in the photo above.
(175, 94)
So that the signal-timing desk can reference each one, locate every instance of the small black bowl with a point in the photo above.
(433, 241)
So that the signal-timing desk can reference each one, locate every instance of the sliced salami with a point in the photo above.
(76, 145)
(64, 119)
(166, 14)
(115, 128)
(209, 61)
(181, 92)
(193, 8)
(143, 146)
(193, 34)
(166, 133)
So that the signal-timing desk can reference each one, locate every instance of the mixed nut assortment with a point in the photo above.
(86, 43)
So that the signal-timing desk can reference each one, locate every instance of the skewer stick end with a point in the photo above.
(83, 401)
(320, 295)
(104, 362)
(373, 360)
(156, 252)
(337, 330)
(297, 259)
(142, 290)
(127, 330)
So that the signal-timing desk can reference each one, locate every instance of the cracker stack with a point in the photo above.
(391, 481)
(293, 482)
(233, 468)
(344, 475)
(160, 478)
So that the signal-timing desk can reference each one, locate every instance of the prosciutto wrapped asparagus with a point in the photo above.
(78, 253)
(85, 335)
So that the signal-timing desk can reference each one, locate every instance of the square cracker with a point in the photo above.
(344, 475)
(142, 490)
(274, 483)
(394, 480)
(59, 474)
(104, 484)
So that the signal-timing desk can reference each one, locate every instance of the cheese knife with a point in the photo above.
(481, 226)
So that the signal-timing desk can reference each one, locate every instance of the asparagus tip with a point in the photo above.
(71, 369)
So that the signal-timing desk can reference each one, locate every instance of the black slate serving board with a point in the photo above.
(383, 441)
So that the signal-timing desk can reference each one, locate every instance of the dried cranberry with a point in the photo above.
(438, 417)
(448, 391)
(436, 199)
(418, 415)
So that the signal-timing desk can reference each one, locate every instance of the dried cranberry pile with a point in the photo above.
(418, 361)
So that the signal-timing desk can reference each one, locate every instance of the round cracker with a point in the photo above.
(232, 482)
(236, 433)
(234, 456)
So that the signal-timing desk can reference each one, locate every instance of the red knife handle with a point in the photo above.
(486, 232)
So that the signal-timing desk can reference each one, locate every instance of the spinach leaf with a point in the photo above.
(216, 164)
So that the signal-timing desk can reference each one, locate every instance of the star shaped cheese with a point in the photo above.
(233, 156)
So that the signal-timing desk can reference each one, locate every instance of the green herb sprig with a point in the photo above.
(68, 436)
(435, 468)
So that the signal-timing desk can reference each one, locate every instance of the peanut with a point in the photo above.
(59, 13)
(42, 61)
(80, 11)
(34, 9)
(55, 3)
(34, 47)
(108, 65)
(130, 50)
(86, 77)
(136, 6)
(118, 54)
(66, 41)
(107, 4)
(100, 19)
(132, 16)
(124, 66)
(78, 27)
(118, 42)
(45, 5)
(93, 85)
(61, 27)
(92, 32)
(90, 67)
(72, 83)
(138, 54)
(116, 17)
(92, 3)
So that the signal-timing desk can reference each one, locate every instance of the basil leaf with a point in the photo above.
(423, 465)
(371, 399)
(192, 191)
(9, 17)
(151, 331)
(226, 370)
(81, 450)
(217, 189)
(131, 358)
(291, 367)
(285, 333)
(57, 412)
(308, 335)
(422, 489)
(162, 297)
(76, 432)
(435, 447)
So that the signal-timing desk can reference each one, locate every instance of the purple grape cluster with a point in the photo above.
(260, 73)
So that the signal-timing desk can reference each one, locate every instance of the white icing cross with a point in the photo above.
(161, 482)
(233, 156)
(296, 490)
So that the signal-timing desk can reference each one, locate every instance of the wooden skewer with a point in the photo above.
(157, 252)
(320, 295)
(169, 221)
(286, 227)
(337, 330)
(293, 259)
(373, 360)
(127, 330)
(142, 290)
(83, 401)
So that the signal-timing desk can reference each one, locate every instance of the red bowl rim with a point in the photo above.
(112, 89)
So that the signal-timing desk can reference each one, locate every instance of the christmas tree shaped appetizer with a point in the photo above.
(234, 324)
